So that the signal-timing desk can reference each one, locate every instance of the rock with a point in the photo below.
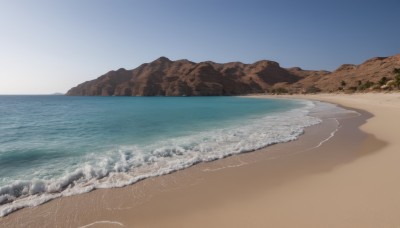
(164, 77)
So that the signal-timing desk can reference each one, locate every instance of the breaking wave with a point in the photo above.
(131, 163)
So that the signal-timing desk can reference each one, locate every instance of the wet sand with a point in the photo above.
(350, 180)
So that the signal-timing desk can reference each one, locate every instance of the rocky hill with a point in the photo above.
(364, 77)
(164, 77)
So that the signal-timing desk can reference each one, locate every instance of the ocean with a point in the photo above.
(54, 146)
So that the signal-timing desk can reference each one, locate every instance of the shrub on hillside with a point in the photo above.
(397, 77)
(383, 81)
(364, 86)
(312, 89)
(279, 90)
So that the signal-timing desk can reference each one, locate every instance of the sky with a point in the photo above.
(50, 46)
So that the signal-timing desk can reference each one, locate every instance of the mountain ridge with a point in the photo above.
(164, 77)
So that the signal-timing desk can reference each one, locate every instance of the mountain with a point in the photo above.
(164, 77)
(349, 77)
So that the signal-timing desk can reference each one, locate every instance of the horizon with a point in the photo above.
(51, 47)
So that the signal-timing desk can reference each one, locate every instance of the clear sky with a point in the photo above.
(51, 46)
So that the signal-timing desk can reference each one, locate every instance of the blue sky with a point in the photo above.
(50, 46)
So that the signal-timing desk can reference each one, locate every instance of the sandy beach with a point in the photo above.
(348, 180)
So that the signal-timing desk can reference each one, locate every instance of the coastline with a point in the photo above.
(323, 186)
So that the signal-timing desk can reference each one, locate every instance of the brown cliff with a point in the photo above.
(164, 77)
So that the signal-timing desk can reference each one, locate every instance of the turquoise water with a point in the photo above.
(53, 146)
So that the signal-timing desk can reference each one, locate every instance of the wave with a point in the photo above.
(132, 163)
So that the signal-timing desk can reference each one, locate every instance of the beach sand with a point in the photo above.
(350, 180)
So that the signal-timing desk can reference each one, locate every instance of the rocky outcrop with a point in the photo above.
(164, 77)
(352, 76)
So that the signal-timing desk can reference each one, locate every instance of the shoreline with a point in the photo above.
(241, 136)
(218, 193)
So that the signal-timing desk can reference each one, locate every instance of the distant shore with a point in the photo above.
(328, 178)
